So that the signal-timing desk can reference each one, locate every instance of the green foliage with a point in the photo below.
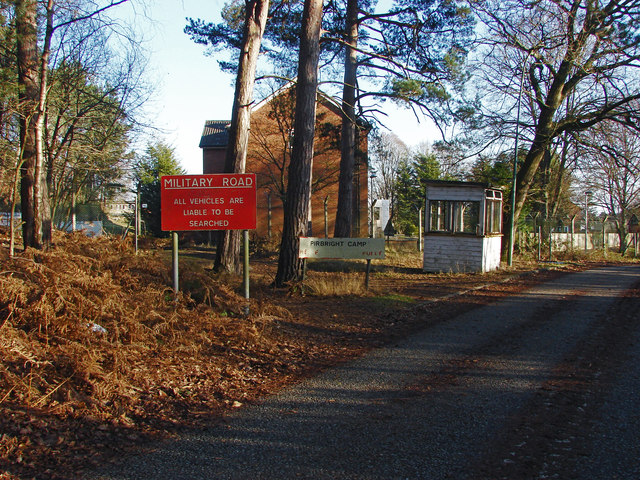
(222, 36)
(405, 89)
(409, 90)
(497, 172)
(394, 300)
(158, 160)
(421, 60)
(411, 184)
(8, 100)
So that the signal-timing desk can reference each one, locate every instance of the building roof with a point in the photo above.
(460, 183)
(215, 134)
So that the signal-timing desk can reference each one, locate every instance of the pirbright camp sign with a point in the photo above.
(208, 202)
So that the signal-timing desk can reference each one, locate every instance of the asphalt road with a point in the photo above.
(544, 384)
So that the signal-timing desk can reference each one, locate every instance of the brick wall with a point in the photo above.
(268, 157)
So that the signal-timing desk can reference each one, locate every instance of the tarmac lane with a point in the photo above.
(508, 390)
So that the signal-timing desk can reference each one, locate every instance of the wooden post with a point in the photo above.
(420, 229)
(269, 216)
(74, 215)
(366, 278)
(137, 218)
(604, 236)
(326, 217)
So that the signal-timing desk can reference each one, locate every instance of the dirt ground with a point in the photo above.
(208, 359)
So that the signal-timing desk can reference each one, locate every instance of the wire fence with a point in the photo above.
(549, 235)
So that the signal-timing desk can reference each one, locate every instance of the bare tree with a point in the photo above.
(273, 139)
(558, 49)
(33, 60)
(611, 169)
(388, 153)
(299, 189)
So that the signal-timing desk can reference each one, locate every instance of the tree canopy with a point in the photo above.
(577, 61)
(158, 159)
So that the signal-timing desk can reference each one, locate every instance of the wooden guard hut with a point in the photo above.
(463, 227)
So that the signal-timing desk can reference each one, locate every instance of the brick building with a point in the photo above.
(268, 157)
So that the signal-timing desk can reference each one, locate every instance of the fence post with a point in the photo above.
(539, 243)
(604, 236)
(269, 216)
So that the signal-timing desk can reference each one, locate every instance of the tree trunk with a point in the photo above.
(344, 213)
(622, 229)
(299, 186)
(544, 134)
(29, 94)
(41, 177)
(228, 250)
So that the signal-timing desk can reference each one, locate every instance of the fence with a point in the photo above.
(6, 216)
(561, 235)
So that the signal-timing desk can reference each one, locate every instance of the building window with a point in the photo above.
(466, 217)
(493, 218)
(439, 215)
(454, 216)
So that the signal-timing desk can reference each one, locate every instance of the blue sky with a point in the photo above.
(191, 89)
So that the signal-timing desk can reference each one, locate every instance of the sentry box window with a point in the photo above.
(463, 216)
(463, 228)
(454, 216)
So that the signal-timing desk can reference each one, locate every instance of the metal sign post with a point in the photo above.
(245, 270)
(224, 201)
(174, 258)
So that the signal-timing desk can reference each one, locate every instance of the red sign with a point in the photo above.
(208, 202)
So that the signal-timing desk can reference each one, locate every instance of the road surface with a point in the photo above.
(544, 384)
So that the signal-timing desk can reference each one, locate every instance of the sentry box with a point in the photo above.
(463, 227)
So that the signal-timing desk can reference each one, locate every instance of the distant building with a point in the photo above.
(381, 215)
(463, 227)
(119, 211)
(213, 143)
(269, 149)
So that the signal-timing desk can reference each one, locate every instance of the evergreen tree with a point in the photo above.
(158, 160)
(410, 190)
(412, 53)
(496, 172)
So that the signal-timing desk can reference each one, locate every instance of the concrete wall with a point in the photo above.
(380, 224)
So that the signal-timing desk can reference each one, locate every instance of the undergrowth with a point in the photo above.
(88, 329)
(336, 284)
